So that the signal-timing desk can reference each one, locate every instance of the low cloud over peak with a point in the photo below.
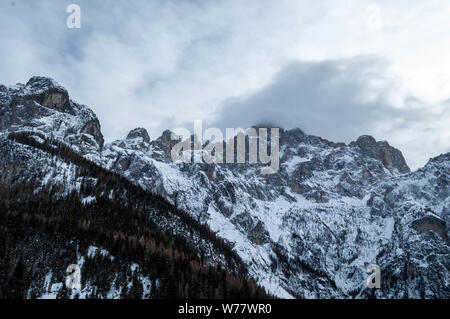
(338, 100)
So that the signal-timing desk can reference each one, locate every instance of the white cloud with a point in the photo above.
(340, 100)
(161, 63)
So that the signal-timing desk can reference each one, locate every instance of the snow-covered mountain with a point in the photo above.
(42, 105)
(309, 230)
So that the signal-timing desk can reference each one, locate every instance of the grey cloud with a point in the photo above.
(341, 100)
(141, 62)
(338, 99)
(159, 63)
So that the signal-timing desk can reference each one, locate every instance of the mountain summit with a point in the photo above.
(388, 155)
(43, 105)
(309, 231)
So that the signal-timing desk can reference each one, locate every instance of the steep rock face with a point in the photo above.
(139, 133)
(308, 231)
(48, 93)
(300, 230)
(31, 162)
(431, 222)
(416, 262)
(391, 157)
(44, 106)
(70, 186)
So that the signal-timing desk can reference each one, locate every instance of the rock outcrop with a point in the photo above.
(433, 223)
(308, 231)
(139, 133)
(42, 105)
(391, 157)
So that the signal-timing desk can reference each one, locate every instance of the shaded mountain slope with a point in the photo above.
(308, 231)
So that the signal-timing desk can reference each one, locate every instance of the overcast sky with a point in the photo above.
(337, 69)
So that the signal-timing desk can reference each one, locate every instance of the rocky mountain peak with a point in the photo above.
(169, 138)
(48, 93)
(42, 105)
(443, 158)
(39, 84)
(139, 132)
(308, 231)
(366, 142)
(292, 137)
(391, 157)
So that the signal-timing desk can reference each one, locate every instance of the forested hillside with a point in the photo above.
(115, 236)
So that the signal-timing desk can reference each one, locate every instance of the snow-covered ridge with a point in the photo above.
(44, 106)
(310, 230)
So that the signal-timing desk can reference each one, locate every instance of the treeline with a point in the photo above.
(129, 194)
(41, 231)
(45, 228)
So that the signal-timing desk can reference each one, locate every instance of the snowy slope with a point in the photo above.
(308, 231)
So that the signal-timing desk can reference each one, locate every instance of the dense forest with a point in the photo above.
(42, 232)
(97, 181)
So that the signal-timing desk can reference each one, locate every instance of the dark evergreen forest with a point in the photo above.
(42, 231)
